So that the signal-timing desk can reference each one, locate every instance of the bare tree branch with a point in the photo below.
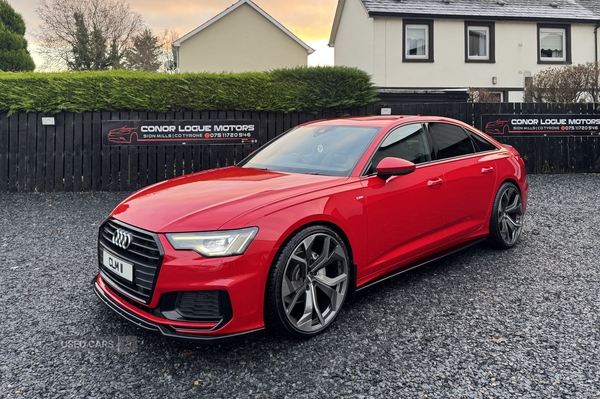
(57, 32)
(482, 95)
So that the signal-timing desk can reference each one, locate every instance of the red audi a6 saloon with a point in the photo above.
(284, 238)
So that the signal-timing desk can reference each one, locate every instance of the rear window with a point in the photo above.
(481, 144)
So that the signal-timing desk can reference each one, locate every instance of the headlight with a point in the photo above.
(214, 243)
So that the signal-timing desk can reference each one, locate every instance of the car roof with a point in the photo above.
(382, 120)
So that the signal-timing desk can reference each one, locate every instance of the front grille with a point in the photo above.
(144, 252)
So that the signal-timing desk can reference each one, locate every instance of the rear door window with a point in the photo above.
(451, 140)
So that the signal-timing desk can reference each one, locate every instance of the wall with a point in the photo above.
(516, 53)
(375, 45)
(354, 41)
(241, 41)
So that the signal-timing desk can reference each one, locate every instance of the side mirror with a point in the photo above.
(389, 167)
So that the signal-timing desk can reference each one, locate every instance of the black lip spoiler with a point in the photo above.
(165, 330)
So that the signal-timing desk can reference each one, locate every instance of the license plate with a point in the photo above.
(118, 266)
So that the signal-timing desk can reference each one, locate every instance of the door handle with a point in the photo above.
(485, 171)
(434, 183)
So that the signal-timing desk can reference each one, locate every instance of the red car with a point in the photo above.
(284, 238)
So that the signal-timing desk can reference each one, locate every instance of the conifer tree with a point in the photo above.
(89, 49)
(145, 53)
(13, 46)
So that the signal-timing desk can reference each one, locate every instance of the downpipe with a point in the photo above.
(596, 61)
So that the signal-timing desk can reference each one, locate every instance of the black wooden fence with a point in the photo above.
(69, 156)
(549, 154)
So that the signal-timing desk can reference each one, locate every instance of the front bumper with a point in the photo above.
(170, 331)
(195, 298)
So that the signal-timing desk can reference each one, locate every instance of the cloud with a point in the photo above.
(307, 19)
(310, 20)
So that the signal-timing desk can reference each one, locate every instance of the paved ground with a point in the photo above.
(479, 324)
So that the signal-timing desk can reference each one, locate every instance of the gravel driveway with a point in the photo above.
(479, 324)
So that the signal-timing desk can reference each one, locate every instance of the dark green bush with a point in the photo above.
(285, 90)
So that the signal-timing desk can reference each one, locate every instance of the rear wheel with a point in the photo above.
(308, 283)
(507, 217)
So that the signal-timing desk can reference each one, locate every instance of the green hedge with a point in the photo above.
(308, 89)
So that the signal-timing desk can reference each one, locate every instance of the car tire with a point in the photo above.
(507, 218)
(308, 283)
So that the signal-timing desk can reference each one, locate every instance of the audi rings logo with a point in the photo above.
(122, 239)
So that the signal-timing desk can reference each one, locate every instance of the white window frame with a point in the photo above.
(409, 56)
(564, 44)
(487, 43)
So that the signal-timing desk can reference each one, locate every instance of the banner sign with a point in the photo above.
(180, 132)
(541, 125)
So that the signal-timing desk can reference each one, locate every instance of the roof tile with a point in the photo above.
(587, 10)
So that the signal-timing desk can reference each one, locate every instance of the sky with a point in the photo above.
(310, 20)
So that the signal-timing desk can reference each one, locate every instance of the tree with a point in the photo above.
(109, 21)
(145, 52)
(13, 46)
(568, 84)
(89, 50)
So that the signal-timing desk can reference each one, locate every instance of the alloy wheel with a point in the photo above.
(510, 215)
(315, 283)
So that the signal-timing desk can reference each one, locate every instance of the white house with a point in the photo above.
(242, 38)
(448, 46)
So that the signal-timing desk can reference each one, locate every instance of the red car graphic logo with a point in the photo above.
(499, 126)
(123, 134)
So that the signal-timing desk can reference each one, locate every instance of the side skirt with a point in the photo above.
(422, 262)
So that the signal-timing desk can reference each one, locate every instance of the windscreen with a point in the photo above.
(316, 149)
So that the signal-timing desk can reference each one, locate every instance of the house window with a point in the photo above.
(479, 42)
(554, 44)
(418, 41)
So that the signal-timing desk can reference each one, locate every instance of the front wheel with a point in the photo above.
(308, 283)
(506, 222)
